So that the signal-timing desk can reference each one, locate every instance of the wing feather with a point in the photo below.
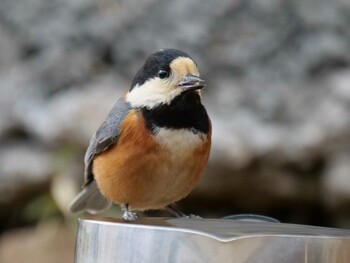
(90, 199)
(105, 136)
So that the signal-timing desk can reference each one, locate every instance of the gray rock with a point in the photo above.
(23, 168)
(74, 115)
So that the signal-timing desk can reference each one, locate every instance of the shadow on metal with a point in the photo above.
(160, 240)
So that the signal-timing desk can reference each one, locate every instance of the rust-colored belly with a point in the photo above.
(148, 172)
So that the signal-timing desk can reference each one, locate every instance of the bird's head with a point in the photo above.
(165, 75)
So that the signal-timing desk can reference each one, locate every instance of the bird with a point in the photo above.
(154, 145)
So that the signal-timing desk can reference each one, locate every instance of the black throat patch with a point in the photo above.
(184, 112)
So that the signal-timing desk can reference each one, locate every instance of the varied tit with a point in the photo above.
(152, 148)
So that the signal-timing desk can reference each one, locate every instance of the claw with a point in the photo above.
(128, 215)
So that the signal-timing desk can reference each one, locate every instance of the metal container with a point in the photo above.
(158, 240)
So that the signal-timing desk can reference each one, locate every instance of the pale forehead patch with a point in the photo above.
(183, 66)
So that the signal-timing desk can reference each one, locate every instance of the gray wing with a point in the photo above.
(105, 136)
(90, 199)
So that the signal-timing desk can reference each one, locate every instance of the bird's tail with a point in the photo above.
(90, 200)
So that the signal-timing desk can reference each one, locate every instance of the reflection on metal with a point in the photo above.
(106, 240)
(252, 218)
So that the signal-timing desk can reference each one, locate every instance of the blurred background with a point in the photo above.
(278, 94)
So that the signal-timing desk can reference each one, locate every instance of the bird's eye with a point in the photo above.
(162, 74)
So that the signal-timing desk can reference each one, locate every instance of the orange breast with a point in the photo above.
(148, 172)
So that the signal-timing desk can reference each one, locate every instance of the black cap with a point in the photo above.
(155, 62)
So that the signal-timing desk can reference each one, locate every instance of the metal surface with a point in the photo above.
(207, 240)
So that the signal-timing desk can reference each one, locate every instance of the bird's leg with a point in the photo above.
(172, 209)
(128, 215)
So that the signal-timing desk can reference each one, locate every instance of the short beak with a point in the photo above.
(191, 82)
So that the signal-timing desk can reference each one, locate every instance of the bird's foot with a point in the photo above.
(128, 215)
(192, 216)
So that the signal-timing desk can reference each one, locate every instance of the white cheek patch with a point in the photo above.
(152, 93)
